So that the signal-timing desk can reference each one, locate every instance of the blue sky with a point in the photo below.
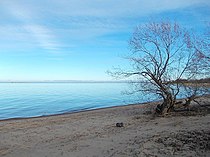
(80, 39)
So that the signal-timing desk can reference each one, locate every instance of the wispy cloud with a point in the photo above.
(119, 8)
(54, 24)
(92, 18)
(43, 36)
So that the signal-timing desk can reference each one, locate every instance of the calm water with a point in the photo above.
(37, 99)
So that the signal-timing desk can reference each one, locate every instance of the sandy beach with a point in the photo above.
(94, 134)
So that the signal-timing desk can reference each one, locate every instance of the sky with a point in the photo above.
(80, 39)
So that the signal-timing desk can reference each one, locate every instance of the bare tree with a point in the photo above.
(201, 44)
(162, 55)
(199, 65)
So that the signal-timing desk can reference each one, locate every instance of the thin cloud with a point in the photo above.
(43, 35)
(93, 18)
(46, 21)
(118, 8)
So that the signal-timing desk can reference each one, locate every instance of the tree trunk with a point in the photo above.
(189, 100)
(167, 105)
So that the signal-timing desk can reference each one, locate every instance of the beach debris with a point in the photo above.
(119, 124)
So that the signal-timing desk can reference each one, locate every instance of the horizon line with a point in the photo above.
(64, 81)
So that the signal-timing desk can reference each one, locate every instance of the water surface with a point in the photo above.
(38, 99)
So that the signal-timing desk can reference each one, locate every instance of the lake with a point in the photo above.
(41, 99)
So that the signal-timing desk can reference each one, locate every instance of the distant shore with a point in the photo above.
(94, 133)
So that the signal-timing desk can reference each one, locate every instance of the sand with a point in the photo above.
(94, 134)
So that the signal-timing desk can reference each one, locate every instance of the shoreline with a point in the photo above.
(82, 111)
(94, 133)
(144, 104)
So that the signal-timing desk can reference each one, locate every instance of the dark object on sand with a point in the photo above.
(119, 124)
